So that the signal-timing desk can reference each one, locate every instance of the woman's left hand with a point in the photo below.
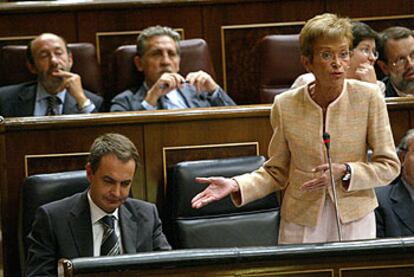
(322, 177)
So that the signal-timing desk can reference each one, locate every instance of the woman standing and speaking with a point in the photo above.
(354, 114)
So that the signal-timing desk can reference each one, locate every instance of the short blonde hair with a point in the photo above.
(326, 25)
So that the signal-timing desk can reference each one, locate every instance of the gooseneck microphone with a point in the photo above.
(327, 141)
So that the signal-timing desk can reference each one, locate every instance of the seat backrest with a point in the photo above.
(41, 189)
(84, 63)
(195, 56)
(278, 64)
(219, 224)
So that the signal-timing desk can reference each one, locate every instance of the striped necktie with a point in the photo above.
(110, 242)
(52, 104)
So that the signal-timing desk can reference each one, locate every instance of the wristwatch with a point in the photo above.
(86, 103)
(347, 175)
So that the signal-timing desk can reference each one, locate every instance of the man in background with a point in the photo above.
(394, 215)
(158, 57)
(396, 60)
(101, 221)
(56, 91)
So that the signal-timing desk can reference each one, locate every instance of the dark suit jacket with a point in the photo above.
(395, 213)
(389, 88)
(63, 229)
(19, 100)
(130, 100)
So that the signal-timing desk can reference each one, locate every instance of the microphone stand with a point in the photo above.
(326, 140)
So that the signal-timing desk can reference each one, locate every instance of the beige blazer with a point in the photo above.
(356, 121)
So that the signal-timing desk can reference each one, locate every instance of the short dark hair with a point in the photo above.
(394, 33)
(116, 144)
(362, 31)
(154, 31)
(29, 54)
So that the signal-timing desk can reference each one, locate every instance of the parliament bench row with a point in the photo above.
(124, 75)
(277, 67)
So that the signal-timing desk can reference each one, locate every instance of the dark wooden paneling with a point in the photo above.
(401, 122)
(16, 40)
(133, 19)
(31, 24)
(381, 23)
(38, 164)
(240, 51)
(363, 8)
(238, 70)
(380, 271)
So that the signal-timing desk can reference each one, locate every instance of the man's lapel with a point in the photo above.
(26, 98)
(129, 230)
(81, 226)
(403, 205)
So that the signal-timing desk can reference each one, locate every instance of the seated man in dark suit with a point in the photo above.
(396, 60)
(394, 215)
(57, 90)
(158, 56)
(99, 221)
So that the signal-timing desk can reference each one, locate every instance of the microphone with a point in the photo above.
(327, 141)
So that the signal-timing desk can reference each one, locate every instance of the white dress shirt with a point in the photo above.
(97, 228)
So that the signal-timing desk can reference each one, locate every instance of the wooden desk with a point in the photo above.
(51, 144)
(391, 257)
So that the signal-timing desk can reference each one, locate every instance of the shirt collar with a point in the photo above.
(41, 93)
(97, 213)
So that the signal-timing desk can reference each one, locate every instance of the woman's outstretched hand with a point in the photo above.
(218, 188)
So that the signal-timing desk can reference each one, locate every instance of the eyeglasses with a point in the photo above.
(328, 56)
(402, 62)
(367, 52)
